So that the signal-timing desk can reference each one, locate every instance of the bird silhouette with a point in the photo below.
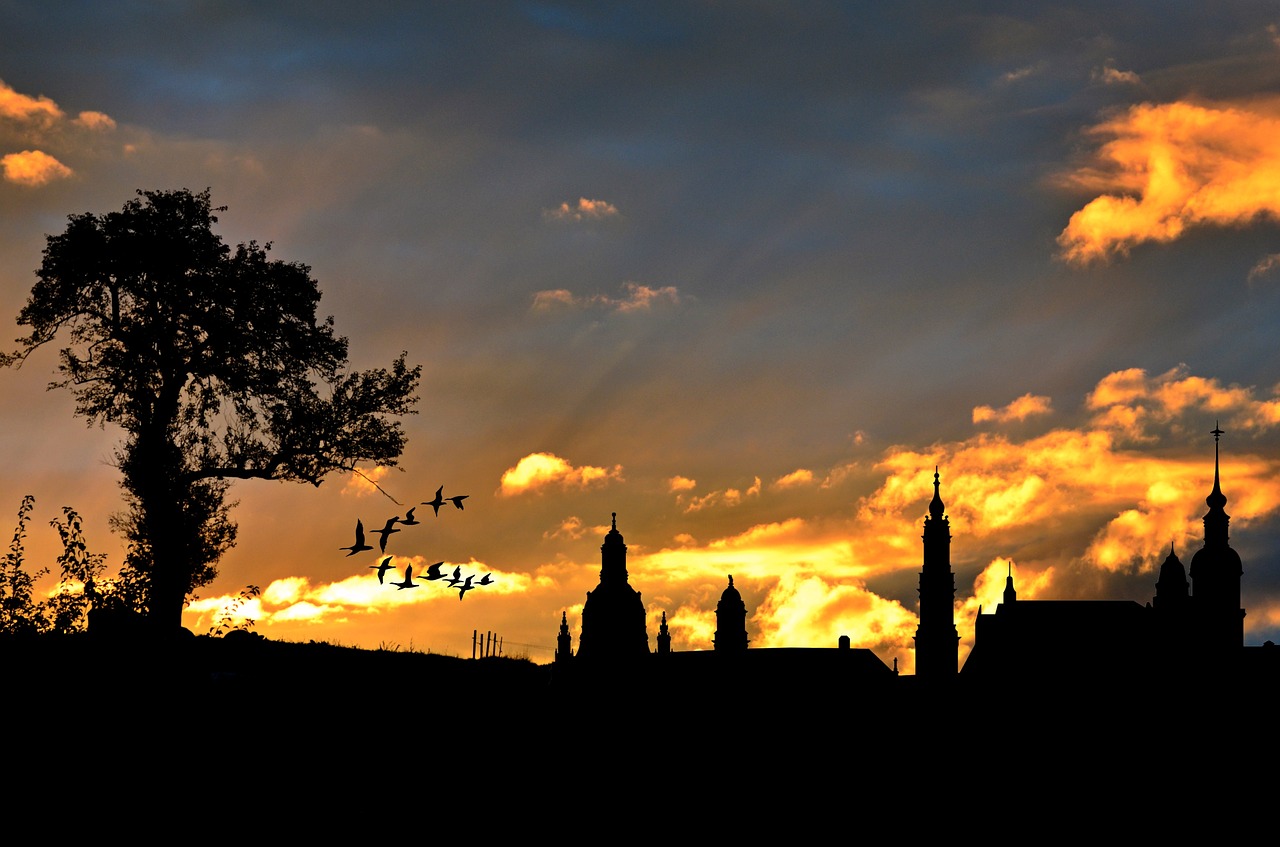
(487, 579)
(408, 579)
(464, 588)
(386, 531)
(409, 519)
(359, 546)
(433, 571)
(382, 567)
(437, 502)
(456, 578)
(457, 501)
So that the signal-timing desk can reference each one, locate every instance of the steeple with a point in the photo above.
(937, 640)
(1216, 519)
(1215, 574)
(664, 636)
(564, 648)
(1010, 596)
(935, 505)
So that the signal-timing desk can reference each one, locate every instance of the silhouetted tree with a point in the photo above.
(214, 363)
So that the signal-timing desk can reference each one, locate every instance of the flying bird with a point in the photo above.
(487, 579)
(408, 579)
(386, 531)
(433, 571)
(382, 567)
(457, 501)
(464, 588)
(456, 578)
(409, 519)
(437, 502)
(359, 546)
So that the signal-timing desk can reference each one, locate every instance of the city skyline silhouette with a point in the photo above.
(747, 278)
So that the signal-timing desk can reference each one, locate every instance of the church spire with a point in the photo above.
(1010, 596)
(936, 508)
(937, 639)
(1216, 519)
(1215, 573)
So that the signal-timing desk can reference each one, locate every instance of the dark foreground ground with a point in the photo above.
(232, 712)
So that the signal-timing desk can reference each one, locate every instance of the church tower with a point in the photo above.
(1215, 576)
(664, 636)
(564, 649)
(937, 640)
(731, 622)
(613, 621)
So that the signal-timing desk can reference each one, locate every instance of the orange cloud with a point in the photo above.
(95, 121)
(33, 168)
(571, 528)
(539, 470)
(1109, 75)
(1129, 402)
(726, 497)
(362, 483)
(293, 600)
(1264, 266)
(799, 476)
(1167, 167)
(583, 210)
(26, 109)
(1019, 410)
(681, 483)
(636, 298)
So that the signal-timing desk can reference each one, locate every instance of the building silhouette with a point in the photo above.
(731, 621)
(1185, 644)
(613, 617)
(1186, 630)
(937, 640)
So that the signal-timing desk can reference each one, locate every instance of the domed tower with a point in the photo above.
(1172, 585)
(613, 624)
(1215, 576)
(731, 621)
(664, 636)
(1172, 609)
(937, 640)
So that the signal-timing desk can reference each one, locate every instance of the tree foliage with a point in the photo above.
(81, 588)
(213, 362)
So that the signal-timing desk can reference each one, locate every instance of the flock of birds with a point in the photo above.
(433, 572)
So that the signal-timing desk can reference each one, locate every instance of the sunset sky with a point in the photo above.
(742, 273)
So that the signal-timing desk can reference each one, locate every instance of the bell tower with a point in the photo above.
(937, 641)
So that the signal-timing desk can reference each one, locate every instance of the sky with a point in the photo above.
(743, 274)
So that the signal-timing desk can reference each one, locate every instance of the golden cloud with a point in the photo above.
(585, 209)
(1264, 266)
(727, 497)
(33, 168)
(540, 470)
(636, 297)
(1129, 402)
(294, 600)
(798, 477)
(1167, 167)
(26, 109)
(571, 528)
(681, 483)
(361, 483)
(96, 121)
(1109, 75)
(1019, 410)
